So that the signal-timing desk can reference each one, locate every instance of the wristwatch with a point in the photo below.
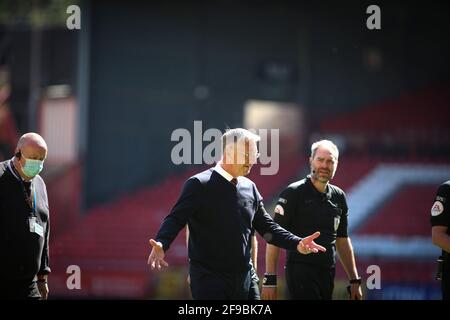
(356, 280)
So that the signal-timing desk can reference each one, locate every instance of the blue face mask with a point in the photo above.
(32, 167)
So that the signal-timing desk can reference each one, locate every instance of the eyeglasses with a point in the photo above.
(247, 155)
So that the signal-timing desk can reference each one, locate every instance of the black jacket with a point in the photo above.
(221, 216)
(25, 254)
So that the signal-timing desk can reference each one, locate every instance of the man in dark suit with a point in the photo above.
(221, 207)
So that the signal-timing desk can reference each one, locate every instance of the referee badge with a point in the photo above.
(437, 208)
(336, 222)
(279, 209)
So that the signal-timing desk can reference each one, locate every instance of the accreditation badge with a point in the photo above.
(35, 227)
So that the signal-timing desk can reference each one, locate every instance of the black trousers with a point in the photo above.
(446, 279)
(19, 290)
(207, 284)
(309, 282)
(254, 292)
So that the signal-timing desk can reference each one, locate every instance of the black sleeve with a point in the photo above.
(285, 207)
(440, 211)
(342, 230)
(45, 263)
(272, 232)
(177, 219)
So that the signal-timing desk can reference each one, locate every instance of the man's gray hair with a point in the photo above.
(327, 144)
(237, 135)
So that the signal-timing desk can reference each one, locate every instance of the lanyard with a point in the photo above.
(34, 199)
(30, 201)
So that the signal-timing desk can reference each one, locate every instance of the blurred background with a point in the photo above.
(107, 96)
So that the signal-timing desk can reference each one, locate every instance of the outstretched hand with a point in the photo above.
(156, 257)
(307, 244)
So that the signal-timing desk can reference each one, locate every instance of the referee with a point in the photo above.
(314, 204)
(440, 231)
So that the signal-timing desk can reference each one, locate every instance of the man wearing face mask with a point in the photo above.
(24, 222)
(314, 204)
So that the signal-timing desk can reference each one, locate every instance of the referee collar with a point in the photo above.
(325, 195)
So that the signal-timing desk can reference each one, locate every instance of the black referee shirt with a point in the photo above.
(303, 210)
(440, 211)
